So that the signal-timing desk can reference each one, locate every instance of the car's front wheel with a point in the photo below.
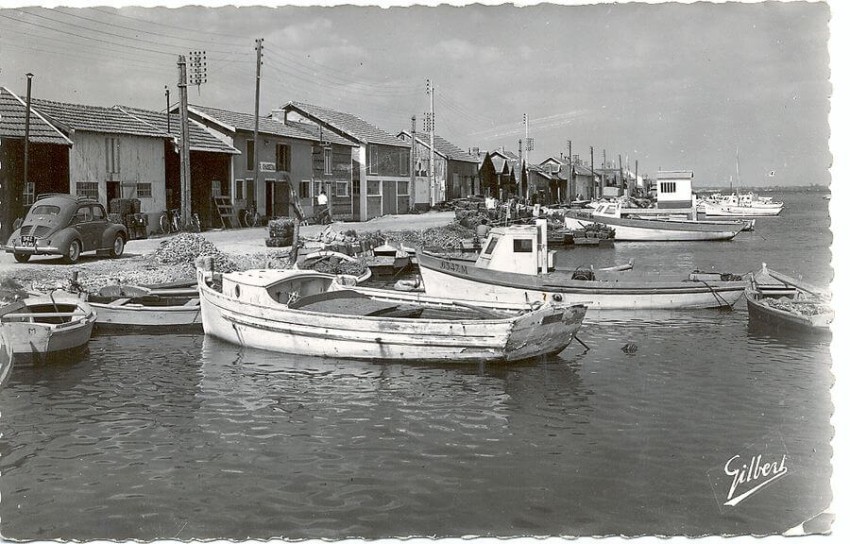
(22, 257)
(74, 250)
(117, 247)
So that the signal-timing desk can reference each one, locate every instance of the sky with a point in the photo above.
(739, 93)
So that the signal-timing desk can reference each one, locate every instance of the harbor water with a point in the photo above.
(186, 437)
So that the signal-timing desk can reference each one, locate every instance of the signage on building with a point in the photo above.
(267, 167)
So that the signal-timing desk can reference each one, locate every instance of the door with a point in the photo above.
(390, 204)
(113, 190)
(281, 198)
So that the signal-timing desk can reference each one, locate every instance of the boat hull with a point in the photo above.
(278, 328)
(660, 230)
(7, 356)
(39, 339)
(443, 277)
(768, 318)
(140, 318)
(717, 210)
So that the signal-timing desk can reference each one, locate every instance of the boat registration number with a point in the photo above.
(28, 241)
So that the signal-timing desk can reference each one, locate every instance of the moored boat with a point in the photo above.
(777, 301)
(126, 308)
(46, 325)
(743, 205)
(310, 313)
(636, 229)
(516, 266)
(7, 357)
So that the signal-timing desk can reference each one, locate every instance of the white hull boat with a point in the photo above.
(635, 229)
(46, 325)
(734, 205)
(7, 357)
(516, 267)
(310, 313)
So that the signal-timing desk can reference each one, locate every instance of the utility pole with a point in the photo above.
(519, 180)
(185, 172)
(19, 191)
(570, 182)
(168, 108)
(259, 48)
(432, 175)
(592, 174)
(412, 189)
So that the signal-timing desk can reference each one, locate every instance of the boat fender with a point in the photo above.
(557, 297)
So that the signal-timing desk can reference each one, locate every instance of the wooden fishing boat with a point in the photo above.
(743, 205)
(128, 308)
(777, 301)
(7, 357)
(45, 325)
(637, 229)
(516, 266)
(310, 313)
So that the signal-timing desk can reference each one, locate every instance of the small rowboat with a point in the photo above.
(310, 313)
(130, 308)
(7, 357)
(46, 325)
(779, 302)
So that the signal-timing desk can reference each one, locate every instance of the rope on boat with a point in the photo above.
(580, 342)
(717, 296)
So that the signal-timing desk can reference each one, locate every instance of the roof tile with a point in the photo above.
(13, 112)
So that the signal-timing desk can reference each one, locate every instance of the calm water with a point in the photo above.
(188, 437)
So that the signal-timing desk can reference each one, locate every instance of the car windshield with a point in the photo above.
(45, 210)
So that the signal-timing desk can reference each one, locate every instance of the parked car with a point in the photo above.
(67, 225)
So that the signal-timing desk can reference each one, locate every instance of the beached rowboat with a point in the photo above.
(311, 313)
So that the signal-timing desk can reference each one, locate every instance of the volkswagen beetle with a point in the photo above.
(66, 225)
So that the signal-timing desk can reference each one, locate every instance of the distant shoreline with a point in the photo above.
(767, 189)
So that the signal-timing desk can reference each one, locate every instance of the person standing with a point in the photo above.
(322, 201)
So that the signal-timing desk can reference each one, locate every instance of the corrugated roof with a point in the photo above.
(200, 139)
(235, 120)
(95, 119)
(346, 123)
(13, 111)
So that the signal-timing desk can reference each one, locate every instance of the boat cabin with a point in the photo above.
(521, 249)
(256, 286)
(674, 189)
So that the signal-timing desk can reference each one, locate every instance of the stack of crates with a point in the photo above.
(281, 233)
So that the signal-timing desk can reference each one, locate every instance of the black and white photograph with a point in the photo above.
(327, 271)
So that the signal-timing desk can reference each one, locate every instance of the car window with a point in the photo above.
(45, 210)
(83, 214)
(97, 213)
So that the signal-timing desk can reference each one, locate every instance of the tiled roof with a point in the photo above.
(321, 135)
(444, 147)
(199, 138)
(245, 122)
(95, 119)
(346, 123)
(13, 111)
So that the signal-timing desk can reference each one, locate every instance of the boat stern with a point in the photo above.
(545, 331)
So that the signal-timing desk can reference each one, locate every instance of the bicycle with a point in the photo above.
(249, 217)
(171, 222)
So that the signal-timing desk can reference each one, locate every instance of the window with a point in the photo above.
(491, 246)
(329, 160)
(317, 188)
(29, 193)
(144, 190)
(283, 158)
(668, 186)
(523, 245)
(240, 189)
(249, 154)
(304, 189)
(373, 187)
(341, 188)
(97, 213)
(403, 188)
(84, 214)
(113, 156)
(87, 189)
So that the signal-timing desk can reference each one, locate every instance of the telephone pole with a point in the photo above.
(185, 171)
(259, 48)
(429, 90)
(412, 189)
(19, 191)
